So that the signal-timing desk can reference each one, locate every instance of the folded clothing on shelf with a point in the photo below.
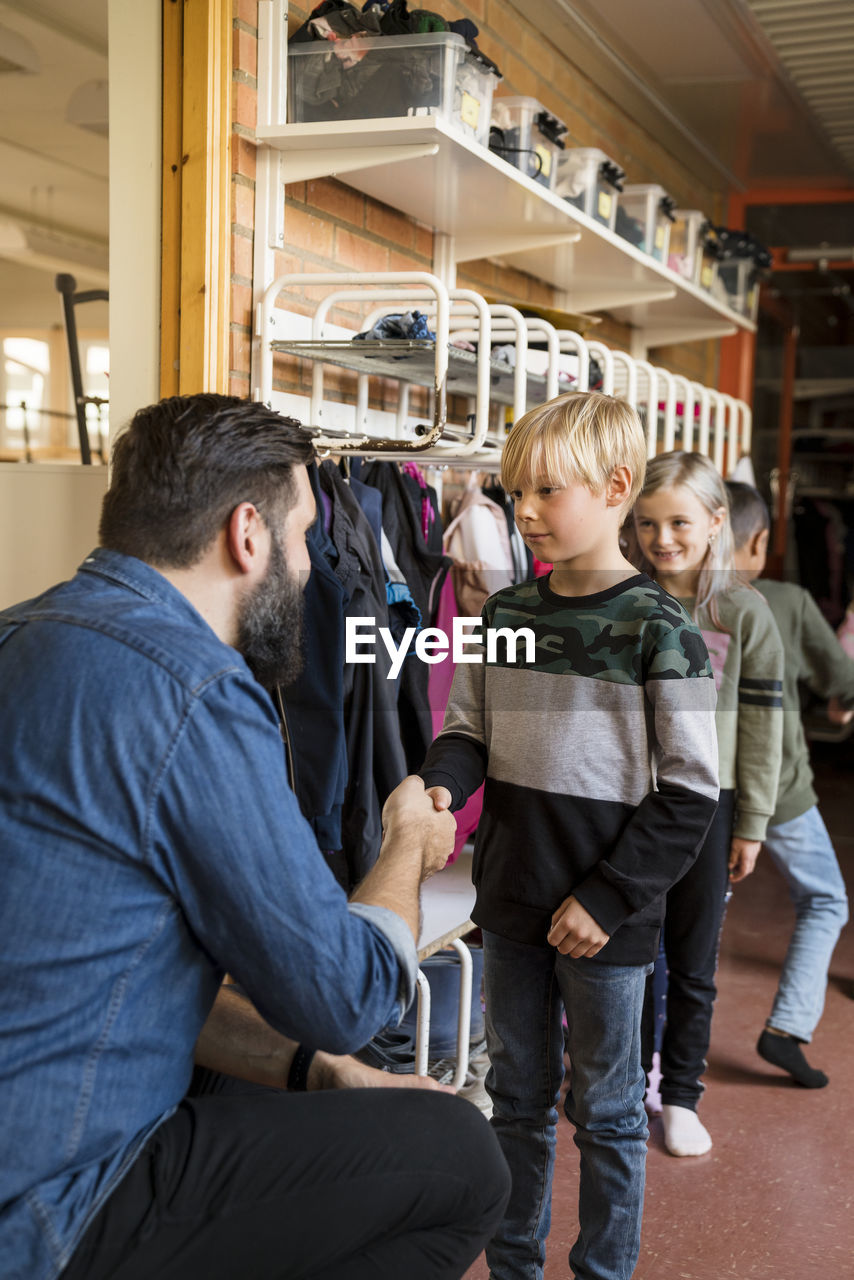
(384, 62)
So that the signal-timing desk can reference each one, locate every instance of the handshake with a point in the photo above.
(421, 818)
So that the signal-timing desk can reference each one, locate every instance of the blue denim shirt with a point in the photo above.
(149, 844)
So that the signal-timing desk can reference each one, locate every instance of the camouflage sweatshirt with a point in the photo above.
(599, 753)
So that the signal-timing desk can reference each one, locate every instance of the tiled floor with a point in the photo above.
(774, 1199)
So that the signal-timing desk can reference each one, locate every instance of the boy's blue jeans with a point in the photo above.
(526, 989)
(802, 851)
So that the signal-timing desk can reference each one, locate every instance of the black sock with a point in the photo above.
(785, 1051)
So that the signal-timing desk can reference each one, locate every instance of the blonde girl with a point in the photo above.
(684, 541)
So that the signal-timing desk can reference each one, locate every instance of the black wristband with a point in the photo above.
(298, 1074)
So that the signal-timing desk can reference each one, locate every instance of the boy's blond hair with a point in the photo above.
(579, 437)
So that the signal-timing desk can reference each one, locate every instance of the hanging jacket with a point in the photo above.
(478, 542)
(375, 754)
(522, 557)
(424, 571)
(314, 703)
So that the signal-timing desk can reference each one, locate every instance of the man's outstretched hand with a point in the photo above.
(412, 818)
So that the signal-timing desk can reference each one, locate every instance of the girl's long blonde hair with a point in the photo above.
(696, 472)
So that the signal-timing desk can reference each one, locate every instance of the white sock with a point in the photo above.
(684, 1134)
(652, 1097)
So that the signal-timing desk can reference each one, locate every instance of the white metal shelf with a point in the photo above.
(413, 360)
(425, 169)
(690, 410)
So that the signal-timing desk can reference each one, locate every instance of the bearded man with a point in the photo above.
(150, 844)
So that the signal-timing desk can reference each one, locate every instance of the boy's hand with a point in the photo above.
(441, 798)
(742, 857)
(574, 931)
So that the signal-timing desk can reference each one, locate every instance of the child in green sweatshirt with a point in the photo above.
(797, 838)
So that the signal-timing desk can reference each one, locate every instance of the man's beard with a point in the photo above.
(269, 624)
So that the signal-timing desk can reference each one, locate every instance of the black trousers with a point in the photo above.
(244, 1183)
(692, 928)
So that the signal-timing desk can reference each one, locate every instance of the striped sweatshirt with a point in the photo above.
(746, 654)
(599, 754)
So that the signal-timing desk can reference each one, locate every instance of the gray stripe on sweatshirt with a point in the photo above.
(572, 735)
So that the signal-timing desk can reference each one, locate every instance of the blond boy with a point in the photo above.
(599, 756)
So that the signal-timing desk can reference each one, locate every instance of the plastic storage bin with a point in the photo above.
(708, 254)
(385, 77)
(740, 281)
(527, 136)
(644, 215)
(685, 236)
(590, 180)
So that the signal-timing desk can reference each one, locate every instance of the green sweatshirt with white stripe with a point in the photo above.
(813, 657)
(746, 653)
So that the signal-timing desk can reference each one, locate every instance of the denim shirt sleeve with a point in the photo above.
(226, 834)
(400, 937)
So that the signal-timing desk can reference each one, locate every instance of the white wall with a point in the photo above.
(48, 523)
(135, 157)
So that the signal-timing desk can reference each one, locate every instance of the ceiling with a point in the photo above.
(746, 80)
(814, 41)
(761, 88)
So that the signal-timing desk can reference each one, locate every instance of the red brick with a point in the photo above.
(516, 72)
(243, 204)
(398, 261)
(238, 385)
(244, 52)
(243, 156)
(308, 232)
(390, 225)
(246, 11)
(336, 200)
(512, 34)
(240, 351)
(357, 253)
(241, 304)
(479, 274)
(515, 284)
(295, 191)
(241, 256)
(245, 109)
(284, 263)
(539, 56)
(424, 241)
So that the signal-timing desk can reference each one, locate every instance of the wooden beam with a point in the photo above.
(170, 251)
(196, 206)
(205, 196)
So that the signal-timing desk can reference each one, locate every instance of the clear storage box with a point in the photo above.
(385, 77)
(590, 180)
(526, 135)
(644, 215)
(740, 280)
(685, 242)
(707, 261)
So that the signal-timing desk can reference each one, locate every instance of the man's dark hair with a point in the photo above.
(748, 512)
(181, 467)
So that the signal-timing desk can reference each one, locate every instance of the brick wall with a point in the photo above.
(329, 226)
